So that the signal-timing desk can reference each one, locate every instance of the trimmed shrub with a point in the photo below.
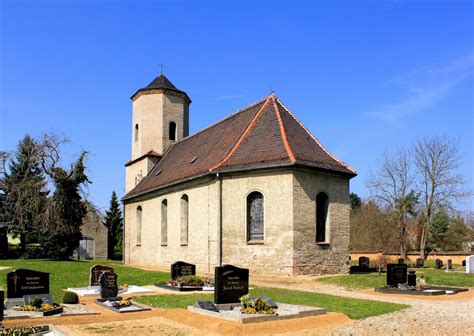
(70, 298)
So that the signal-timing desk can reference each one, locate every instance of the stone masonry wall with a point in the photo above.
(316, 258)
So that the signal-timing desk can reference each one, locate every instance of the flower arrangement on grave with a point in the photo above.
(23, 331)
(37, 305)
(190, 281)
(209, 281)
(252, 305)
(122, 304)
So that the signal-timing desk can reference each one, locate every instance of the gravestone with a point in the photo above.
(108, 285)
(396, 274)
(463, 264)
(449, 265)
(24, 282)
(2, 297)
(420, 263)
(411, 278)
(95, 273)
(438, 264)
(180, 268)
(401, 260)
(470, 264)
(230, 283)
(364, 262)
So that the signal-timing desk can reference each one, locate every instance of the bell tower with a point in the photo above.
(160, 117)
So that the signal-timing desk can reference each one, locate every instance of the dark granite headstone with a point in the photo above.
(438, 264)
(2, 297)
(24, 282)
(401, 260)
(108, 285)
(449, 265)
(364, 262)
(463, 263)
(412, 278)
(95, 273)
(207, 305)
(396, 273)
(47, 298)
(180, 268)
(420, 262)
(230, 283)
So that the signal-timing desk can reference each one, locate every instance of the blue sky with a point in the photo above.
(363, 76)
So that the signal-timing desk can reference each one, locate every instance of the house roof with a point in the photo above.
(164, 84)
(265, 134)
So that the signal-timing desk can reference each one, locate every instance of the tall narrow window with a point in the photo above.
(136, 132)
(184, 219)
(139, 226)
(322, 206)
(172, 131)
(164, 223)
(255, 216)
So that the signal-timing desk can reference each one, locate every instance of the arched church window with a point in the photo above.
(255, 225)
(136, 132)
(139, 226)
(184, 219)
(172, 131)
(164, 223)
(322, 207)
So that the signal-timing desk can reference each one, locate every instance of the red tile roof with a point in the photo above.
(266, 134)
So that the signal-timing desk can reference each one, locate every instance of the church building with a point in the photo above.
(255, 190)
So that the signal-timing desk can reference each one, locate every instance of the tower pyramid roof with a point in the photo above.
(162, 83)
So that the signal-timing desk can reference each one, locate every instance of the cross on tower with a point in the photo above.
(161, 67)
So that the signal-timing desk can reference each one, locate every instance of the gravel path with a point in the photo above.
(445, 315)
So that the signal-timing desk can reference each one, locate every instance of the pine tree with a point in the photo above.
(62, 222)
(24, 192)
(114, 222)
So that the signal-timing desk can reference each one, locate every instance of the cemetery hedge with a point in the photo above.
(353, 308)
(64, 274)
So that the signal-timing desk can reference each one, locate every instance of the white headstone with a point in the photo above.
(470, 264)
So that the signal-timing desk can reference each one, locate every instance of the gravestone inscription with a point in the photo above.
(438, 264)
(24, 282)
(108, 285)
(95, 273)
(364, 262)
(181, 268)
(230, 283)
(396, 274)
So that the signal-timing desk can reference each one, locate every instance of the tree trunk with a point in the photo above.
(403, 250)
(423, 239)
(22, 244)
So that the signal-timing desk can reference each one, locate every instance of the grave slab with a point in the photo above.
(284, 312)
(133, 308)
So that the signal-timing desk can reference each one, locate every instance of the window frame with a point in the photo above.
(164, 222)
(175, 131)
(138, 225)
(326, 240)
(184, 199)
(247, 219)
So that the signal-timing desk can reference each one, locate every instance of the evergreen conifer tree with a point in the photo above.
(24, 195)
(114, 222)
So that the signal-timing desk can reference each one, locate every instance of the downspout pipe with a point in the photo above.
(219, 219)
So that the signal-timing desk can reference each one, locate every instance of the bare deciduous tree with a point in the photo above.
(392, 184)
(437, 160)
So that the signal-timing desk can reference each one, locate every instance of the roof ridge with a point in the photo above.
(315, 139)
(284, 138)
(242, 136)
(224, 119)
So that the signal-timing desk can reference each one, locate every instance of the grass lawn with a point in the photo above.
(431, 276)
(64, 274)
(353, 308)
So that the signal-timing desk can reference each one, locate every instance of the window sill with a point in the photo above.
(255, 242)
(323, 243)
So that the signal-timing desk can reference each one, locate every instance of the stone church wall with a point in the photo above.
(316, 258)
(202, 247)
(275, 255)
